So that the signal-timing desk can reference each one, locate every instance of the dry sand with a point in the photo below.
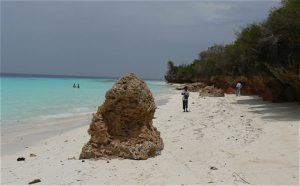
(227, 140)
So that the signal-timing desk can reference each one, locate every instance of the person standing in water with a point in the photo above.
(238, 89)
(74, 86)
(78, 86)
(185, 96)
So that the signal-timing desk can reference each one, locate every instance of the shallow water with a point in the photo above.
(34, 99)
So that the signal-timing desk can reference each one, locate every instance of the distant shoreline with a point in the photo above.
(63, 76)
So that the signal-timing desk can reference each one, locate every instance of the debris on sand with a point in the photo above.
(213, 168)
(32, 155)
(34, 181)
(21, 159)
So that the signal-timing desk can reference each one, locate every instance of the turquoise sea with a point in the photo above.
(28, 99)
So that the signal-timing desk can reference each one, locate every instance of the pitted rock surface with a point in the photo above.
(122, 126)
(211, 91)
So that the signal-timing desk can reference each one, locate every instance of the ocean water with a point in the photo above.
(32, 99)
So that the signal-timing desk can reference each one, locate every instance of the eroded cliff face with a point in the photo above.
(289, 78)
(279, 88)
(122, 126)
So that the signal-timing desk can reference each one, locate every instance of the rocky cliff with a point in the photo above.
(275, 87)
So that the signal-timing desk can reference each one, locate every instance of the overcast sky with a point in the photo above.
(109, 39)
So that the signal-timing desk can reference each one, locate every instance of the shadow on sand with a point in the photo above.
(275, 111)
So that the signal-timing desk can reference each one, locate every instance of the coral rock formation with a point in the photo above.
(211, 91)
(122, 126)
(192, 87)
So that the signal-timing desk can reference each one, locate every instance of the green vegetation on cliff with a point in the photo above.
(270, 48)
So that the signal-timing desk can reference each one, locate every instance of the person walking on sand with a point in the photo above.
(238, 89)
(185, 96)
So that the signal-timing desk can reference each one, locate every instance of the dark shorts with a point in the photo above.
(185, 104)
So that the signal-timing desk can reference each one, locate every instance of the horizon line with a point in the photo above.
(67, 76)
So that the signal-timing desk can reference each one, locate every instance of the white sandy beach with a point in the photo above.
(225, 140)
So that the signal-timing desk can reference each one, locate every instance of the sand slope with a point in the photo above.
(225, 140)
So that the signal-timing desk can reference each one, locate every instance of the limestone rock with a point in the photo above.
(180, 87)
(122, 126)
(192, 87)
(211, 91)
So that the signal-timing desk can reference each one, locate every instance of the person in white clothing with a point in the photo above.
(238, 89)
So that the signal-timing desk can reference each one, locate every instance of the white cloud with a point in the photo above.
(193, 13)
(212, 11)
